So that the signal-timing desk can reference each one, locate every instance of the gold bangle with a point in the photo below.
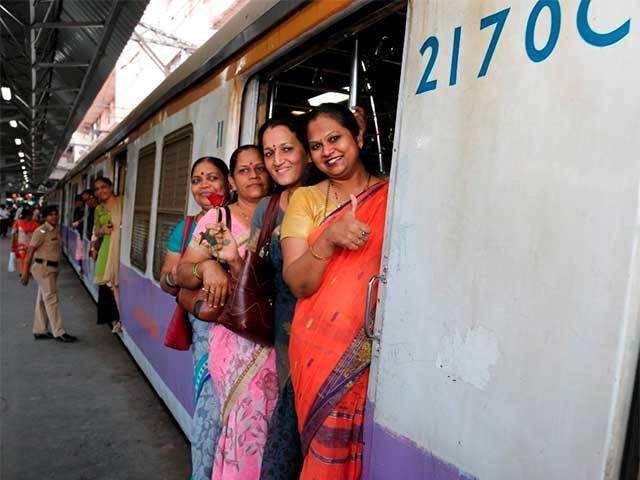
(196, 271)
(168, 279)
(318, 257)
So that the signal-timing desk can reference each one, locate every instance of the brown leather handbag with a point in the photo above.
(194, 301)
(249, 310)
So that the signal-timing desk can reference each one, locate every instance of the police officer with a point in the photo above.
(44, 251)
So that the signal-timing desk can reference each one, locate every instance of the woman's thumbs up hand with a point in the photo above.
(348, 232)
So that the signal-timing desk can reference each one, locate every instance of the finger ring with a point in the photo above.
(363, 233)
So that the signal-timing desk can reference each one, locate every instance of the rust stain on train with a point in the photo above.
(147, 322)
(295, 26)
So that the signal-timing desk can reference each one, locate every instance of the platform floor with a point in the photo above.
(76, 411)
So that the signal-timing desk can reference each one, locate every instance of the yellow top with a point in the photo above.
(306, 211)
(46, 242)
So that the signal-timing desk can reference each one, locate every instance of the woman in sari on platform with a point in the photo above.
(106, 232)
(23, 229)
(208, 177)
(331, 242)
(242, 373)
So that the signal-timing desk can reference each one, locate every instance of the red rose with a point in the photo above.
(216, 200)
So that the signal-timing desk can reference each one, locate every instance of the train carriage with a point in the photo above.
(506, 333)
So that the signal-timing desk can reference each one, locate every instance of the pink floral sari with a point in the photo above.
(245, 381)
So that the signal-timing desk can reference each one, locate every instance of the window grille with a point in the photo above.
(174, 190)
(142, 207)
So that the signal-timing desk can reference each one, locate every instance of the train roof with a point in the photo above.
(249, 23)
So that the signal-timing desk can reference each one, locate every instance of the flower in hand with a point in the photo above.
(222, 243)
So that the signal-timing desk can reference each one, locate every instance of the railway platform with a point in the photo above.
(74, 411)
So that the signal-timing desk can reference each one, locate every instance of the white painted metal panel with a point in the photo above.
(510, 317)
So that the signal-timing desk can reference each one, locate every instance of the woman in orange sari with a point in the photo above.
(332, 242)
(23, 229)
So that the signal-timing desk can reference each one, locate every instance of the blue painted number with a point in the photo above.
(427, 85)
(497, 19)
(556, 19)
(453, 75)
(599, 39)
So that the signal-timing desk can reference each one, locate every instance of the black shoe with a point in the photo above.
(42, 336)
(66, 338)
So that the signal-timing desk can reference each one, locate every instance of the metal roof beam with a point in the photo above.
(110, 25)
(41, 25)
(62, 65)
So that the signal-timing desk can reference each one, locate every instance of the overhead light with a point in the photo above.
(18, 141)
(21, 154)
(22, 160)
(328, 97)
(13, 124)
(6, 93)
(297, 112)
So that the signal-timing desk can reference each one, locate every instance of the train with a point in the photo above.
(505, 318)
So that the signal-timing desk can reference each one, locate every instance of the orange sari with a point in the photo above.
(330, 354)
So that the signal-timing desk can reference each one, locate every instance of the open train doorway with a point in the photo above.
(357, 62)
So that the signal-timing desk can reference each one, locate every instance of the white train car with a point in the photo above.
(506, 332)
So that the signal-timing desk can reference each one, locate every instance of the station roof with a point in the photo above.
(54, 57)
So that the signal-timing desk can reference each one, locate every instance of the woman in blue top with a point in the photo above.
(208, 175)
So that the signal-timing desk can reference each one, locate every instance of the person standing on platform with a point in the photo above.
(91, 203)
(44, 251)
(106, 250)
(4, 220)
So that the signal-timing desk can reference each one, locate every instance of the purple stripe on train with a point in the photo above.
(391, 456)
(146, 311)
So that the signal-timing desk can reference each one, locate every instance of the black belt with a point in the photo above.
(48, 263)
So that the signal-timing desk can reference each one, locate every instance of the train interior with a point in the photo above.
(357, 61)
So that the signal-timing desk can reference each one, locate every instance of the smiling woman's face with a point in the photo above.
(250, 177)
(207, 179)
(284, 155)
(333, 148)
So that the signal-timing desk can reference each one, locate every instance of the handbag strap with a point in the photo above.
(185, 232)
(268, 222)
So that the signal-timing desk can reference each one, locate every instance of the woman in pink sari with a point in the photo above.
(243, 373)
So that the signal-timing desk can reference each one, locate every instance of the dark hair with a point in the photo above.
(340, 113)
(49, 209)
(215, 161)
(26, 213)
(345, 117)
(104, 180)
(297, 126)
(88, 191)
(233, 161)
(78, 198)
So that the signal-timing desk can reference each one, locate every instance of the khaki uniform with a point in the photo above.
(46, 242)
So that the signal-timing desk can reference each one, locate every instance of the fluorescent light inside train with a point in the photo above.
(18, 141)
(21, 154)
(297, 112)
(328, 97)
(6, 93)
(13, 124)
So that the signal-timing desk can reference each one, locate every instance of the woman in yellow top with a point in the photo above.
(331, 243)
(108, 217)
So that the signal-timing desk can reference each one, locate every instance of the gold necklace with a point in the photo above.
(335, 194)
(242, 212)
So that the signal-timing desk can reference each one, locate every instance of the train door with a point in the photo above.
(506, 338)
(356, 61)
(120, 171)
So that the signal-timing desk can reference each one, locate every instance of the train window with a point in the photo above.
(142, 207)
(174, 190)
(358, 62)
